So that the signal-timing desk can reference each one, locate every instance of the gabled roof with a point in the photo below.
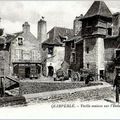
(10, 37)
(54, 35)
(98, 8)
(7, 38)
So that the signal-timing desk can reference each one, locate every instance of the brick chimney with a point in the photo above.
(26, 27)
(42, 30)
(116, 23)
(77, 24)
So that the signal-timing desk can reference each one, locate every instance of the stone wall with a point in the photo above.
(10, 101)
(27, 87)
(77, 24)
(83, 94)
(29, 50)
(110, 45)
(91, 57)
(79, 57)
(94, 54)
(4, 60)
(67, 51)
(116, 23)
(57, 59)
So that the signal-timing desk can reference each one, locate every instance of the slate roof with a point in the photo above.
(7, 38)
(98, 8)
(10, 37)
(2, 40)
(32, 39)
(55, 34)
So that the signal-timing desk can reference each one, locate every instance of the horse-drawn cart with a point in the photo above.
(62, 75)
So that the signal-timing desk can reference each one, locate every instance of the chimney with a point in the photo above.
(1, 29)
(116, 23)
(77, 24)
(42, 30)
(26, 27)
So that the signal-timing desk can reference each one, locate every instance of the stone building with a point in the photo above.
(55, 49)
(25, 54)
(95, 45)
(5, 42)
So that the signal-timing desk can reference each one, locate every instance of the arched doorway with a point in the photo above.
(50, 71)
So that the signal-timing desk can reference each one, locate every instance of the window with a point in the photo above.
(89, 23)
(117, 54)
(73, 45)
(50, 50)
(20, 41)
(73, 58)
(34, 55)
(87, 65)
(110, 31)
(87, 49)
(18, 54)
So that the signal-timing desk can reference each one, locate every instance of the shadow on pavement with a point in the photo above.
(108, 100)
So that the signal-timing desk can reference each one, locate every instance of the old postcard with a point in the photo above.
(59, 60)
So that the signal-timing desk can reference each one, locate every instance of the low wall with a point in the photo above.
(10, 101)
(28, 87)
(83, 94)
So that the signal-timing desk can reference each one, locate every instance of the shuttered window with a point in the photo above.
(18, 54)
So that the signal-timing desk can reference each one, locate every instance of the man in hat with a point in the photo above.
(117, 85)
(1, 88)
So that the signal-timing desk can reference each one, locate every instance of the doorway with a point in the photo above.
(50, 71)
(102, 74)
(69, 73)
(27, 72)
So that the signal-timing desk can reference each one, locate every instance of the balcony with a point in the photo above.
(25, 61)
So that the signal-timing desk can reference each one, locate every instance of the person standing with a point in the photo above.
(117, 85)
(1, 88)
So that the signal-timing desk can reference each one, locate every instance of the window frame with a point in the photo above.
(115, 52)
(73, 61)
(88, 65)
(49, 53)
(109, 30)
(73, 45)
(87, 50)
(20, 42)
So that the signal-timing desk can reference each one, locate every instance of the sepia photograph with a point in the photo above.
(60, 59)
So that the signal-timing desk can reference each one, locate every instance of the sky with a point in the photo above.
(56, 13)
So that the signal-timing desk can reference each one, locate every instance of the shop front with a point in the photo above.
(27, 70)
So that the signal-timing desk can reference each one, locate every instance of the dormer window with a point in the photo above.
(50, 50)
(20, 41)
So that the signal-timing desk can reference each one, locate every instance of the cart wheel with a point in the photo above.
(75, 76)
